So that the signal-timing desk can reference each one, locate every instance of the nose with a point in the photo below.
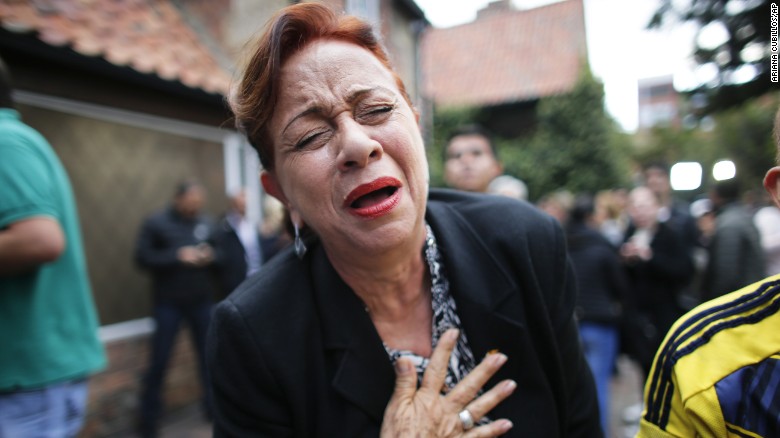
(357, 147)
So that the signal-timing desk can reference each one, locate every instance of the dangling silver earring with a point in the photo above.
(300, 247)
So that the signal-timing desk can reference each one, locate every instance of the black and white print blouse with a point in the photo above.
(445, 316)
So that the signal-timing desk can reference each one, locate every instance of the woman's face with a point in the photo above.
(643, 207)
(349, 157)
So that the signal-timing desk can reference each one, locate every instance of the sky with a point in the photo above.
(620, 50)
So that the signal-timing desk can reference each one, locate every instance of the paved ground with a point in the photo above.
(187, 424)
(626, 391)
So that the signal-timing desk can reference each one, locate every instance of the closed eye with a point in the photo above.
(374, 114)
(384, 109)
(306, 140)
(309, 139)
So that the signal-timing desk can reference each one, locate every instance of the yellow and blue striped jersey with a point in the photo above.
(717, 373)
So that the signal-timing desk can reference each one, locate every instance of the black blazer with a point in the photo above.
(230, 263)
(293, 353)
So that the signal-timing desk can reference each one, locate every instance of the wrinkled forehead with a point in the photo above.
(321, 76)
(331, 65)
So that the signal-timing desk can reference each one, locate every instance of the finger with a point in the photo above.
(494, 428)
(467, 389)
(405, 380)
(489, 400)
(436, 371)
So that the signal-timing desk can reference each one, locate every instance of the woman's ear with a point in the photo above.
(271, 186)
(772, 184)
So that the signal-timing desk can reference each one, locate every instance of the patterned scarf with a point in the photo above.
(445, 316)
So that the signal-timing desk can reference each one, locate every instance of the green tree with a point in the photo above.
(745, 48)
(576, 146)
(741, 134)
(744, 135)
(672, 144)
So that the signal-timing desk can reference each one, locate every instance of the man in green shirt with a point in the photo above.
(49, 344)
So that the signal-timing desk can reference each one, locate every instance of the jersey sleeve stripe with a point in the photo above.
(696, 330)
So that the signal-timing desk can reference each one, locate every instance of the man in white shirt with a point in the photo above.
(237, 242)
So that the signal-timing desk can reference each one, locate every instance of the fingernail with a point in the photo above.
(498, 359)
(509, 386)
(504, 425)
(452, 334)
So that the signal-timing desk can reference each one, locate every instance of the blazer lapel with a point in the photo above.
(487, 297)
(362, 373)
(489, 305)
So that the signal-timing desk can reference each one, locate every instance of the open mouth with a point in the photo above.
(375, 198)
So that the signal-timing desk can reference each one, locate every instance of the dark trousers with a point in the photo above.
(167, 318)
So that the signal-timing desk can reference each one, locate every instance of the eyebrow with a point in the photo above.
(306, 112)
(357, 94)
(351, 98)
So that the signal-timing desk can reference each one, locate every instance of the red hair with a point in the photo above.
(290, 30)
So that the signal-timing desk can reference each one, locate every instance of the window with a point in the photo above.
(242, 169)
(367, 9)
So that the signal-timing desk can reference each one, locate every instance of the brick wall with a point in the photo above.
(114, 393)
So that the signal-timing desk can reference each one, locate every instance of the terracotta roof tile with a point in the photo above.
(507, 56)
(150, 36)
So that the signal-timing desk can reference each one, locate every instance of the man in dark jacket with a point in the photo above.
(240, 246)
(173, 246)
(658, 265)
(736, 258)
(602, 295)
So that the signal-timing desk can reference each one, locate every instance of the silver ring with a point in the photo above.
(466, 419)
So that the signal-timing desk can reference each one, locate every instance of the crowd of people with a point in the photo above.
(665, 257)
(642, 257)
(394, 309)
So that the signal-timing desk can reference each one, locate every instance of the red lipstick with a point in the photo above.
(374, 199)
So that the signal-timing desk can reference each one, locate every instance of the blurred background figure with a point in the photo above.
(611, 215)
(237, 244)
(674, 212)
(767, 220)
(272, 231)
(173, 246)
(735, 255)
(704, 215)
(658, 265)
(507, 185)
(47, 317)
(602, 295)
(557, 204)
(470, 159)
